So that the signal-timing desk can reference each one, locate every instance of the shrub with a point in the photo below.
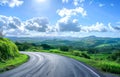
(64, 48)
(76, 53)
(115, 56)
(85, 55)
(110, 67)
(46, 46)
(7, 49)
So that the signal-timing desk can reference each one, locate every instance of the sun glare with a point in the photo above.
(40, 1)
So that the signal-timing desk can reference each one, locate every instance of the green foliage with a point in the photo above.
(7, 49)
(24, 46)
(115, 56)
(64, 48)
(46, 46)
(99, 56)
(81, 54)
(110, 67)
(85, 55)
(54, 51)
(103, 65)
(12, 63)
(76, 53)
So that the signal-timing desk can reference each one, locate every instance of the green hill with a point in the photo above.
(7, 49)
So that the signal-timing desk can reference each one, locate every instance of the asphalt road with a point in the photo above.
(51, 65)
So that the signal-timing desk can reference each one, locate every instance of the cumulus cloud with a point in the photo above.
(11, 3)
(37, 24)
(11, 24)
(72, 12)
(66, 24)
(14, 26)
(77, 2)
(99, 27)
(117, 28)
(40, 26)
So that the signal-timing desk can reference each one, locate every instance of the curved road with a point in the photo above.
(51, 65)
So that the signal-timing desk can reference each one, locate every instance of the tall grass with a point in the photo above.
(110, 67)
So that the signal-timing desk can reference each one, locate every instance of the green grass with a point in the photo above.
(103, 65)
(103, 45)
(12, 63)
(99, 56)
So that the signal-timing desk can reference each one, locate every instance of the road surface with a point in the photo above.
(51, 65)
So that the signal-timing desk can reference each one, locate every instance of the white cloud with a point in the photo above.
(101, 5)
(14, 26)
(65, 1)
(11, 3)
(75, 2)
(78, 2)
(66, 24)
(98, 27)
(72, 12)
(11, 25)
(75, 21)
(39, 24)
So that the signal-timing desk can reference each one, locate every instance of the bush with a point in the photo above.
(54, 51)
(110, 67)
(85, 55)
(64, 48)
(7, 49)
(115, 56)
(76, 53)
(46, 46)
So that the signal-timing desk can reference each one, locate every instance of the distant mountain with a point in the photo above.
(99, 43)
(33, 39)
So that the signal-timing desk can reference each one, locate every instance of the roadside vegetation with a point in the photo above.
(9, 55)
(107, 62)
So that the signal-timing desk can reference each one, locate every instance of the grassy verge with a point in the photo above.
(105, 66)
(12, 63)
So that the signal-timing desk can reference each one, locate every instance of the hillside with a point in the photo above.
(86, 43)
(8, 49)
(9, 55)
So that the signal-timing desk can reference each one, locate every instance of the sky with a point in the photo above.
(68, 18)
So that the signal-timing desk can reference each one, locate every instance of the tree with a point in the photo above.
(64, 48)
(46, 46)
(115, 56)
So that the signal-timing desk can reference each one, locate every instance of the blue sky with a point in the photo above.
(75, 18)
